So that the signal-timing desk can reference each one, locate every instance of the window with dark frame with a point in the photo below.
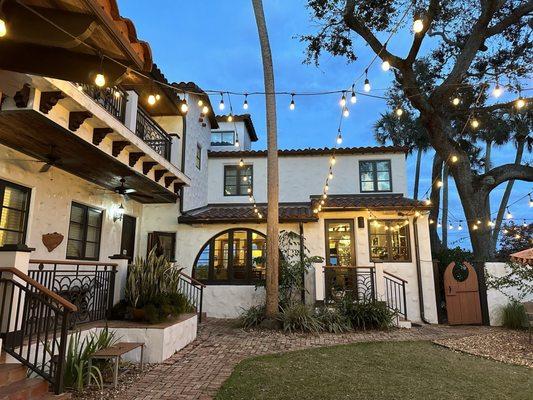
(237, 180)
(375, 176)
(84, 233)
(198, 156)
(389, 240)
(222, 138)
(236, 256)
(340, 243)
(14, 209)
(164, 242)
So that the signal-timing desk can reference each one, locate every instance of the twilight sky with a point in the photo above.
(214, 44)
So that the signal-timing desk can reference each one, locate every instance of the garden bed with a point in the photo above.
(505, 345)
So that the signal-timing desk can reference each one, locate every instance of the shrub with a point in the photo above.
(252, 317)
(514, 315)
(165, 306)
(366, 314)
(299, 318)
(332, 320)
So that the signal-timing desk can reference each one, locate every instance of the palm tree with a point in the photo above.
(272, 264)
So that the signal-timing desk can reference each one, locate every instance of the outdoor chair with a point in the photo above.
(528, 306)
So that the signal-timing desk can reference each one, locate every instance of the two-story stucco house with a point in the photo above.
(366, 221)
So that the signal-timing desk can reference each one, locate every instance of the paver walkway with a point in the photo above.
(198, 371)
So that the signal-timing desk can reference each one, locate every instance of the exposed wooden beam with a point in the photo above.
(76, 118)
(158, 174)
(118, 146)
(99, 134)
(147, 166)
(49, 100)
(134, 156)
(22, 97)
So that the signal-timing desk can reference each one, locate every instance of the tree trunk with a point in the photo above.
(436, 174)
(505, 197)
(272, 263)
(488, 163)
(445, 174)
(417, 173)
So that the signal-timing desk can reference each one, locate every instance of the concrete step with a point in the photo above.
(27, 389)
(10, 373)
(404, 323)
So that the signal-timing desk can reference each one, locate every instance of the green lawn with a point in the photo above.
(387, 370)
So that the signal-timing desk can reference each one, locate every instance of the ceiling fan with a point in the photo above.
(125, 191)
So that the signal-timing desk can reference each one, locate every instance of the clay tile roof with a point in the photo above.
(231, 213)
(247, 119)
(311, 152)
(524, 256)
(390, 201)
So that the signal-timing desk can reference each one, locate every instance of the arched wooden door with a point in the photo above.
(462, 294)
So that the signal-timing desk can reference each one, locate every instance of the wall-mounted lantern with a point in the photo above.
(119, 212)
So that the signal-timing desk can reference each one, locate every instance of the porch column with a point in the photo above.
(17, 256)
(380, 281)
(120, 277)
(130, 119)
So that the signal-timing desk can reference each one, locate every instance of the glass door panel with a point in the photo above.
(340, 243)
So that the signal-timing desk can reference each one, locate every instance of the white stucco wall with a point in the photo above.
(302, 176)
(496, 299)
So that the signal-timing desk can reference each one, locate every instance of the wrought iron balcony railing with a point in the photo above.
(112, 99)
(152, 134)
(356, 282)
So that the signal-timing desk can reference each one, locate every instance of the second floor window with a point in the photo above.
(84, 232)
(375, 176)
(198, 160)
(237, 180)
(14, 206)
(223, 138)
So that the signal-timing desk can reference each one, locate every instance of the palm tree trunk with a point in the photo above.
(417, 172)
(445, 174)
(272, 290)
(505, 198)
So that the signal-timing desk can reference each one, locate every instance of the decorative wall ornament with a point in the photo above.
(52, 240)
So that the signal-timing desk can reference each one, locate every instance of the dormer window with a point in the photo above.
(223, 138)
(375, 176)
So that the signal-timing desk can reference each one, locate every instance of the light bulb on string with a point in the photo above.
(353, 97)
(385, 65)
(245, 104)
(292, 106)
(520, 103)
(151, 100)
(200, 103)
(326, 187)
(399, 112)
(249, 190)
(241, 163)
(474, 227)
(99, 80)
(478, 222)
(497, 91)
(221, 105)
(184, 107)
(345, 112)
(3, 28)
(205, 110)
(418, 25)
(342, 101)
(454, 159)
(427, 202)
(366, 86)
(450, 227)
(431, 222)
(530, 201)
(330, 175)
(508, 215)
(339, 137)
(439, 184)
(237, 144)
(474, 123)
(517, 236)
(230, 117)
(460, 227)
(158, 97)
(332, 160)
(439, 225)
(524, 224)
(250, 199)
(259, 215)
(325, 196)
(456, 101)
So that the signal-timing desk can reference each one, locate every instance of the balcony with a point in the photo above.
(152, 134)
(114, 100)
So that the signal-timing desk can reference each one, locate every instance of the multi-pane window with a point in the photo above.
(389, 240)
(375, 176)
(234, 256)
(223, 138)
(84, 232)
(238, 180)
(198, 160)
(164, 242)
(339, 239)
(14, 206)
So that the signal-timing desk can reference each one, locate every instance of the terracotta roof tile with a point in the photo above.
(310, 151)
(227, 213)
(389, 201)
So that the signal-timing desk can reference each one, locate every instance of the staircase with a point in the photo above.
(15, 385)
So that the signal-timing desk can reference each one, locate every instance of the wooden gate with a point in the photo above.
(462, 294)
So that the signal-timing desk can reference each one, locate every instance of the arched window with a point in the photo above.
(236, 256)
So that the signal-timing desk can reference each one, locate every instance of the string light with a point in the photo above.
(520, 103)
(330, 176)
(439, 225)
(342, 101)
(259, 215)
(439, 184)
(431, 222)
(474, 123)
(184, 107)
(399, 112)
(474, 227)
(418, 25)
(325, 196)
(497, 91)
(508, 215)
(250, 198)
(460, 227)
(332, 160)
(530, 201)
(241, 163)
(244, 178)
(158, 96)
(151, 100)
(524, 224)
(249, 190)
(292, 106)
(454, 159)
(346, 112)
(205, 110)
(385, 66)
(245, 104)
(450, 227)
(353, 97)
(456, 101)
(339, 137)
(478, 222)
(366, 86)
(221, 105)
(427, 202)
(3, 28)
(79, 87)
(99, 80)
(200, 103)
(237, 144)
(230, 117)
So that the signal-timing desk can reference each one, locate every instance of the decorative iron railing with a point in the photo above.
(152, 134)
(112, 99)
(89, 286)
(33, 325)
(356, 282)
(194, 291)
(395, 296)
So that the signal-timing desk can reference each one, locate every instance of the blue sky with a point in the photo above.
(214, 44)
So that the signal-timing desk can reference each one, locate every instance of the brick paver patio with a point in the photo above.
(198, 371)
